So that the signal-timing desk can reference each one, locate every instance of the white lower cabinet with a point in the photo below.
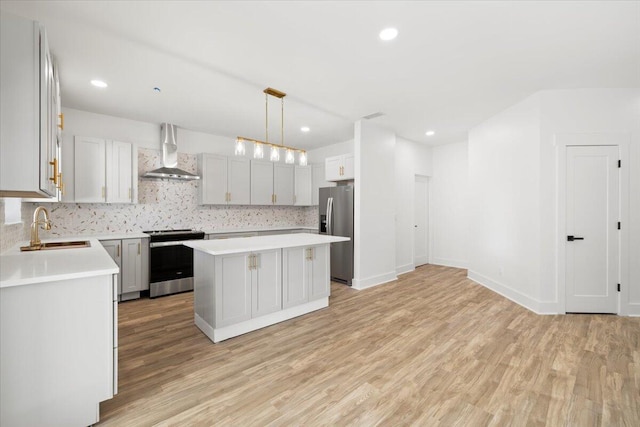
(131, 256)
(266, 287)
(249, 285)
(59, 351)
(305, 275)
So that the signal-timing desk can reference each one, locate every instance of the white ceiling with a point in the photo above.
(453, 65)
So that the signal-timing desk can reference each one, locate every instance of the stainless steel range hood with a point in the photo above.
(169, 136)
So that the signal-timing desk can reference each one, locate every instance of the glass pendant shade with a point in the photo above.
(275, 154)
(302, 158)
(258, 151)
(290, 157)
(240, 148)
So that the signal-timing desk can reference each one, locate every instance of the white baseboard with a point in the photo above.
(403, 269)
(370, 282)
(456, 263)
(538, 307)
(633, 310)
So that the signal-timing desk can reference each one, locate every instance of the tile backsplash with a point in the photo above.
(161, 204)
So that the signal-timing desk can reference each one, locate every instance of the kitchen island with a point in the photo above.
(245, 284)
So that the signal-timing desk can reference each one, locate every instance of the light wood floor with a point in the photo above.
(431, 349)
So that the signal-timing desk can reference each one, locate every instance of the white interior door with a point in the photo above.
(421, 221)
(592, 229)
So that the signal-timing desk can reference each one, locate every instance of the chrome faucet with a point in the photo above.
(35, 240)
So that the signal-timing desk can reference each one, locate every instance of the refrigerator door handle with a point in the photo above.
(329, 214)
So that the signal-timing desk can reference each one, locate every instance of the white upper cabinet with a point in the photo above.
(340, 168)
(271, 183)
(261, 182)
(90, 177)
(103, 171)
(120, 174)
(224, 180)
(318, 181)
(283, 176)
(239, 181)
(28, 111)
(303, 186)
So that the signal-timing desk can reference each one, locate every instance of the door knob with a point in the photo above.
(572, 238)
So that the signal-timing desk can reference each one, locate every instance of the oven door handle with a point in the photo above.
(162, 244)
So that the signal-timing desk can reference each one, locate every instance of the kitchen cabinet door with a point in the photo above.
(348, 166)
(239, 181)
(283, 178)
(233, 280)
(318, 272)
(212, 187)
(120, 173)
(295, 286)
(333, 168)
(262, 182)
(266, 283)
(340, 168)
(302, 184)
(28, 142)
(90, 170)
(318, 181)
(113, 248)
(131, 274)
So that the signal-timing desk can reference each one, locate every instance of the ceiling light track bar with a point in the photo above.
(270, 144)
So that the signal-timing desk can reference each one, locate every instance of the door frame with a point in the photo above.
(562, 141)
(426, 180)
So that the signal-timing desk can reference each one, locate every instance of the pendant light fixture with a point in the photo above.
(258, 146)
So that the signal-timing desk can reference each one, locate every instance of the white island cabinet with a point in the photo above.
(245, 284)
(58, 336)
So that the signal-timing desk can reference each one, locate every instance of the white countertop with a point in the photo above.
(261, 243)
(251, 230)
(102, 236)
(26, 268)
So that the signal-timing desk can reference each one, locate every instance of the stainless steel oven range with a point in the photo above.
(170, 262)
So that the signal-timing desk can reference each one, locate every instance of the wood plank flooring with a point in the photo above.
(432, 348)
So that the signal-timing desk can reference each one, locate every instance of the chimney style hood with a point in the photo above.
(169, 136)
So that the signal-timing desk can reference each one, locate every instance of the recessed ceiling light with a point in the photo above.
(99, 83)
(305, 129)
(430, 133)
(388, 34)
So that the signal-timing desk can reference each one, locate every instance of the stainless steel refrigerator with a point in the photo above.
(336, 218)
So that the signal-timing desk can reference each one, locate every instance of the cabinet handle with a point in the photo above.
(138, 248)
(60, 183)
(117, 251)
(229, 197)
(61, 125)
(310, 254)
(54, 163)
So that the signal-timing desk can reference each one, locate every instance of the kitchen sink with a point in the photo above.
(57, 245)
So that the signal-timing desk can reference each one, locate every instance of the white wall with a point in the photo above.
(375, 209)
(513, 182)
(145, 135)
(319, 154)
(504, 202)
(591, 111)
(411, 159)
(448, 205)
